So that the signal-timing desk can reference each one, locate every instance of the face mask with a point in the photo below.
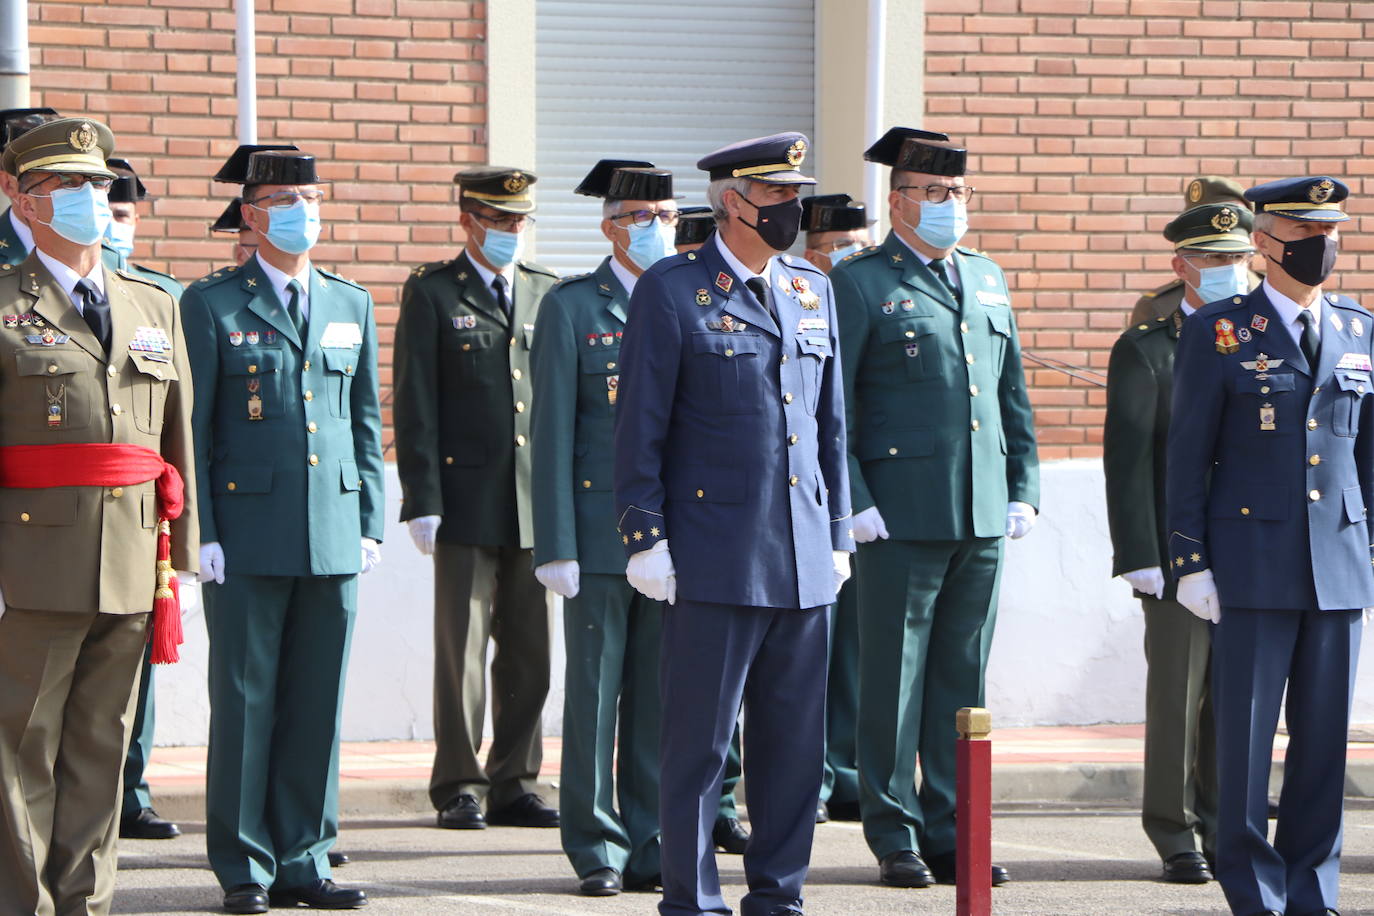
(1309, 260)
(839, 254)
(1215, 283)
(294, 229)
(942, 225)
(500, 248)
(778, 224)
(80, 215)
(650, 243)
(121, 238)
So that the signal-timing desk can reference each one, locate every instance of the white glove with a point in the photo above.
(1020, 518)
(372, 555)
(1368, 612)
(651, 573)
(188, 590)
(212, 563)
(562, 577)
(1146, 581)
(869, 526)
(423, 531)
(841, 559)
(1198, 593)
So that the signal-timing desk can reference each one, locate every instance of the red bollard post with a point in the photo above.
(973, 815)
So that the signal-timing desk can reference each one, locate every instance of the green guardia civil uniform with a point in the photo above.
(462, 416)
(940, 440)
(12, 248)
(608, 792)
(288, 449)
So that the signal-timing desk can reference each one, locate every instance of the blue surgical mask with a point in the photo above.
(121, 238)
(942, 225)
(650, 243)
(294, 229)
(1215, 283)
(80, 215)
(500, 247)
(839, 254)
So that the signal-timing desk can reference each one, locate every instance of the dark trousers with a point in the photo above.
(137, 796)
(842, 700)
(1254, 654)
(714, 658)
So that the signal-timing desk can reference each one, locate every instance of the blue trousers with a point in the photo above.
(773, 661)
(1254, 654)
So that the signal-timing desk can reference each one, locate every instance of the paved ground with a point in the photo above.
(1065, 861)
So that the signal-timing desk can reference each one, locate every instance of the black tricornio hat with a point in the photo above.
(915, 150)
(598, 181)
(281, 167)
(15, 121)
(694, 225)
(832, 213)
(235, 168)
(231, 220)
(126, 188)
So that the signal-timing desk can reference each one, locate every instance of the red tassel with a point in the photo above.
(166, 635)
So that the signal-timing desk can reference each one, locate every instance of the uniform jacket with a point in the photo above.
(461, 402)
(291, 492)
(1165, 300)
(1278, 514)
(730, 442)
(115, 261)
(1140, 385)
(576, 363)
(90, 548)
(940, 427)
(11, 245)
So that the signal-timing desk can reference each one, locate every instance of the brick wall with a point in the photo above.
(389, 94)
(1087, 117)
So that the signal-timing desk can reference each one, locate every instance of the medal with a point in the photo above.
(1259, 323)
(612, 385)
(1267, 417)
(888, 308)
(800, 284)
(1226, 336)
(55, 406)
(254, 402)
(703, 297)
(253, 338)
(235, 338)
(607, 338)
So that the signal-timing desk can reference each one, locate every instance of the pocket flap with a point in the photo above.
(1000, 320)
(890, 331)
(253, 362)
(51, 362)
(896, 443)
(344, 361)
(1357, 382)
(710, 485)
(469, 340)
(727, 345)
(599, 360)
(1249, 384)
(818, 346)
(348, 475)
(1354, 504)
(38, 506)
(242, 478)
(165, 372)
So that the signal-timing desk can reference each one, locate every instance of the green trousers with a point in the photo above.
(278, 655)
(734, 769)
(1179, 804)
(841, 781)
(925, 608)
(137, 796)
(608, 794)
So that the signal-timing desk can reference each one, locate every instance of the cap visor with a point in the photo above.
(1226, 245)
(784, 177)
(506, 206)
(1313, 216)
(74, 168)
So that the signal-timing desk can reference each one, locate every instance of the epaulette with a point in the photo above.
(333, 276)
(130, 275)
(536, 268)
(219, 276)
(801, 264)
(1346, 302)
(1147, 327)
(1223, 305)
(157, 273)
(431, 267)
(674, 261)
(974, 251)
(571, 279)
(1161, 290)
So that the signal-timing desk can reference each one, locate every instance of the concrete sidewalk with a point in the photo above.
(1093, 764)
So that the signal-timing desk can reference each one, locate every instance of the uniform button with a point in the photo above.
(892, 451)
(519, 406)
(448, 460)
(784, 359)
(700, 493)
(1359, 389)
(974, 426)
(910, 333)
(728, 352)
(1312, 423)
(973, 390)
(252, 369)
(612, 365)
(231, 486)
(520, 439)
(787, 398)
(512, 341)
(792, 481)
(311, 427)
(111, 371)
(314, 460)
(968, 358)
(306, 366)
(117, 492)
(1264, 389)
(1314, 495)
(52, 368)
(586, 484)
(310, 395)
(467, 346)
(963, 327)
(1315, 460)
(515, 374)
(348, 370)
(1318, 388)
(792, 439)
(1244, 510)
(23, 516)
(116, 410)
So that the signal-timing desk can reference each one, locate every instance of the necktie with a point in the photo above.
(499, 285)
(937, 266)
(293, 308)
(1311, 343)
(96, 310)
(760, 291)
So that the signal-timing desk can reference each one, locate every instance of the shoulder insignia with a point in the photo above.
(341, 279)
(429, 267)
(536, 268)
(803, 264)
(219, 276)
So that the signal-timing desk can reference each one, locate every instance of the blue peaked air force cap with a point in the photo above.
(773, 159)
(1316, 198)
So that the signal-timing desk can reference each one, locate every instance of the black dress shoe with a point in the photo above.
(730, 836)
(146, 825)
(463, 813)
(337, 859)
(822, 813)
(320, 894)
(526, 811)
(945, 868)
(1273, 813)
(843, 811)
(604, 882)
(904, 869)
(1187, 868)
(246, 898)
(651, 883)
(786, 911)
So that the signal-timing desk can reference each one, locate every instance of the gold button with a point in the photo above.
(1264, 389)
(519, 406)
(1359, 389)
(467, 346)
(910, 333)
(968, 358)
(1318, 388)
(348, 370)
(792, 481)
(700, 493)
(728, 352)
(787, 398)
(448, 460)
(23, 516)
(314, 460)
(1315, 460)
(974, 425)
(973, 390)
(612, 365)
(310, 395)
(512, 341)
(110, 371)
(307, 365)
(252, 370)
(1314, 495)
(117, 492)
(53, 368)
(515, 374)
(586, 484)
(116, 410)
(1244, 510)
(963, 327)
(157, 373)
(792, 439)
(231, 486)
(520, 439)
(892, 451)
(784, 358)
(311, 427)
(1312, 423)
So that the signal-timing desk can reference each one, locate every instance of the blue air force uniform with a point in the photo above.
(1270, 468)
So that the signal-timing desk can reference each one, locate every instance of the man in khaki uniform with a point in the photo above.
(93, 362)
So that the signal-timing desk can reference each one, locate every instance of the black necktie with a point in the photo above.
(499, 285)
(293, 308)
(937, 265)
(760, 291)
(96, 310)
(1311, 343)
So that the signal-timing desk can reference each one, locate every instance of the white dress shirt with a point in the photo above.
(279, 280)
(738, 268)
(951, 268)
(489, 277)
(1289, 310)
(623, 274)
(24, 232)
(68, 278)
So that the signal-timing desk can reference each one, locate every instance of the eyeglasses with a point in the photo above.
(284, 199)
(645, 218)
(837, 244)
(67, 182)
(938, 193)
(1218, 258)
(506, 223)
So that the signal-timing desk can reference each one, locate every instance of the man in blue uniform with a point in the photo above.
(1271, 466)
(729, 445)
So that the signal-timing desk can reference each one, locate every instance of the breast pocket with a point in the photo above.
(734, 363)
(916, 342)
(50, 384)
(999, 323)
(151, 385)
(253, 379)
(1351, 389)
(598, 379)
(468, 352)
(339, 368)
(814, 351)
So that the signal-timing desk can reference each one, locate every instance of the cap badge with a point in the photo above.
(1320, 192)
(516, 183)
(1195, 191)
(1226, 220)
(83, 138)
(796, 153)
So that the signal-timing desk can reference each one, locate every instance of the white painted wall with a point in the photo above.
(1067, 651)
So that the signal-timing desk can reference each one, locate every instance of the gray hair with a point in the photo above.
(610, 208)
(1264, 222)
(715, 195)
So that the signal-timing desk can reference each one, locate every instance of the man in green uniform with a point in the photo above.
(611, 631)
(16, 241)
(942, 466)
(461, 406)
(231, 221)
(125, 195)
(288, 451)
(1163, 301)
(1212, 251)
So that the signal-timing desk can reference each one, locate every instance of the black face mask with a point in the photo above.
(778, 224)
(1309, 260)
